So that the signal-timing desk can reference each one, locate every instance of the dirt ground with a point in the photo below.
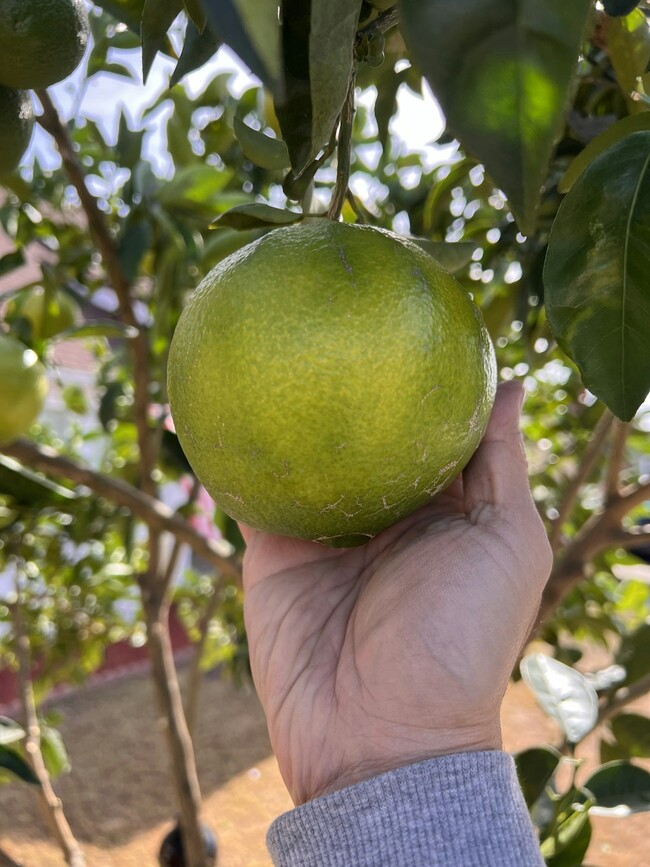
(119, 801)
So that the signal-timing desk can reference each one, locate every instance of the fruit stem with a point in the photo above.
(344, 151)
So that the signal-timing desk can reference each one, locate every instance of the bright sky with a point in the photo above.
(416, 126)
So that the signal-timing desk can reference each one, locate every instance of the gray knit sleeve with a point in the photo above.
(463, 810)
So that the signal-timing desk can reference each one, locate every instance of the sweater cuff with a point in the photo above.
(463, 810)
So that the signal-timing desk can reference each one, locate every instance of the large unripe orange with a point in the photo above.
(328, 379)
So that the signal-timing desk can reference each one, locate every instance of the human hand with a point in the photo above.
(366, 659)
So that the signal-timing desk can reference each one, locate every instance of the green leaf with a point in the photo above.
(198, 48)
(96, 328)
(264, 151)
(27, 488)
(502, 73)
(634, 654)
(563, 693)
(568, 845)
(129, 143)
(195, 190)
(54, 752)
(317, 52)
(614, 133)
(632, 731)
(134, 242)
(14, 763)
(196, 14)
(157, 18)
(10, 731)
(612, 751)
(535, 767)
(621, 785)
(595, 276)
(628, 42)
(255, 216)
(251, 28)
(614, 8)
(452, 256)
(10, 261)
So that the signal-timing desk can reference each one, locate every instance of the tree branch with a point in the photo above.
(194, 677)
(101, 234)
(155, 514)
(615, 461)
(384, 22)
(600, 532)
(624, 696)
(583, 472)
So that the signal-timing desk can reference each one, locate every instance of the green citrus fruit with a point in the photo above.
(41, 41)
(48, 313)
(328, 379)
(23, 386)
(16, 124)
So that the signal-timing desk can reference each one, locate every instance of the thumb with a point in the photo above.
(497, 473)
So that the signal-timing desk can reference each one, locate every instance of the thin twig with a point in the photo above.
(153, 512)
(358, 210)
(50, 802)
(344, 151)
(624, 696)
(384, 22)
(585, 468)
(103, 238)
(194, 677)
(602, 531)
(615, 462)
(172, 562)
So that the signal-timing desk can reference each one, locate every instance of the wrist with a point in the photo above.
(392, 757)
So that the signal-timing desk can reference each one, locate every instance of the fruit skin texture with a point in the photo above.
(41, 41)
(16, 125)
(23, 386)
(328, 379)
(49, 313)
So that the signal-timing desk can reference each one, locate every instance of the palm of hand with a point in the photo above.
(370, 658)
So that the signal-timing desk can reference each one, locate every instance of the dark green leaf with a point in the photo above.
(563, 693)
(453, 257)
(27, 488)
(620, 784)
(628, 43)
(632, 731)
(255, 216)
(634, 654)
(567, 847)
(535, 767)
(198, 48)
(196, 14)
(595, 276)
(615, 8)
(251, 28)
(129, 143)
(612, 752)
(133, 244)
(502, 73)
(632, 123)
(317, 53)
(54, 752)
(195, 191)
(14, 763)
(10, 731)
(11, 261)
(264, 151)
(157, 17)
